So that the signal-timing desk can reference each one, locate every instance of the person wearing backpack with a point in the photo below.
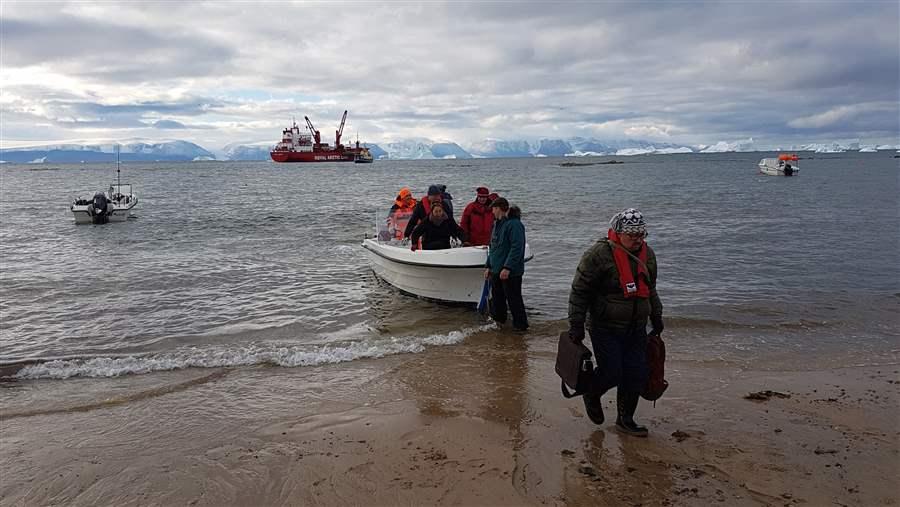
(614, 294)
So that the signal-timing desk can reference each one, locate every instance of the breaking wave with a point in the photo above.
(253, 354)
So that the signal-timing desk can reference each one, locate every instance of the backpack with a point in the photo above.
(656, 360)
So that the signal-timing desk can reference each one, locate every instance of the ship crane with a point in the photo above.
(340, 131)
(313, 130)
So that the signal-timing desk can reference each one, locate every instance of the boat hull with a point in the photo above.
(118, 214)
(771, 167)
(454, 275)
(348, 155)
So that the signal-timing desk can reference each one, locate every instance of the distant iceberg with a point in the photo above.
(627, 152)
(669, 151)
(833, 148)
(724, 147)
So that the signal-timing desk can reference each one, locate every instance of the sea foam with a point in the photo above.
(257, 353)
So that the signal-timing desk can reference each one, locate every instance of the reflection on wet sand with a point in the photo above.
(483, 378)
(477, 423)
(624, 470)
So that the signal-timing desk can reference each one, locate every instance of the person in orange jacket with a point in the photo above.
(477, 219)
(401, 212)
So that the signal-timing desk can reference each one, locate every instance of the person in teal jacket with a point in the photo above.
(505, 264)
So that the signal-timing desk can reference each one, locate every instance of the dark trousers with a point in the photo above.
(508, 293)
(621, 360)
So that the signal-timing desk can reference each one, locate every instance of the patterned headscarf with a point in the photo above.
(630, 221)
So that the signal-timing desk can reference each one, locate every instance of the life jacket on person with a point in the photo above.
(399, 218)
(401, 212)
(426, 205)
(631, 286)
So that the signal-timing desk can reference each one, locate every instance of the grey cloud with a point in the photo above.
(113, 52)
(710, 70)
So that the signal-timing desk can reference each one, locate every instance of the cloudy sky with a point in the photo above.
(679, 72)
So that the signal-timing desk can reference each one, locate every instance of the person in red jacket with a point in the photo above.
(477, 219)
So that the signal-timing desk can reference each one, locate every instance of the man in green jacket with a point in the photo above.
(506, 264)
(614, 291)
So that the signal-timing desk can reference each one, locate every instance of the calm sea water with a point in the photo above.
(246, 263)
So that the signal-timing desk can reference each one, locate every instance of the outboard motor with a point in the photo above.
(100, 209)
(788, 170)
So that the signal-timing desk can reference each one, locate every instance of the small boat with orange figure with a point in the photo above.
(784, 165)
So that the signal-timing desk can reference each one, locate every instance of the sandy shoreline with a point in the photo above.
(480, 423)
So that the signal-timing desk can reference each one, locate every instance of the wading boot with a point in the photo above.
(626, 403)
(594, 407)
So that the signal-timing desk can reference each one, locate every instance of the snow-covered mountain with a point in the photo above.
(409, 149)
(131, 150)
(419, 149)
(252, 151)
(574, 147)
(449, 150)
(728, 146)
(499, 148)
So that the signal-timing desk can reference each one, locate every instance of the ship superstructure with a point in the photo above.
(297, 146)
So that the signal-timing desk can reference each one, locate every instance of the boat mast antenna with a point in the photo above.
(118, 171)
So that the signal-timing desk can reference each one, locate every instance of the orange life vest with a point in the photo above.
(426, 205)
(399, 218)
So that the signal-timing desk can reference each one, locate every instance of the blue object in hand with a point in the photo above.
(485, 291)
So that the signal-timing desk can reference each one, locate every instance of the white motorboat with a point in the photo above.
(453, 275)
(784, 165)
(114, 205)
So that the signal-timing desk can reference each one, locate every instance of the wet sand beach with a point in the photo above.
(478, 423)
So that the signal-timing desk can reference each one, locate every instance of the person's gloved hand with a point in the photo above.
(657, 326)
(576, 332)
(412, 246)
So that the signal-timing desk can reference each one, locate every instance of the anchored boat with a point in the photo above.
(297, 147)
(114, 205)
(364, 157)
(784, 165)
(454, 275)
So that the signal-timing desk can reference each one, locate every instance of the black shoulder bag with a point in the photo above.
(574, 366)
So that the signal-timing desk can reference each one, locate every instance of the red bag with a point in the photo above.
(656, 361)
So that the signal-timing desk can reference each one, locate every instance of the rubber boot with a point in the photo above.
(593, 406)
(626, 403)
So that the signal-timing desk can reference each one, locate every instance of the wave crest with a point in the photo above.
(274, 354)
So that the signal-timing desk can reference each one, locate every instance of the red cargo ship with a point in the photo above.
(297, 147)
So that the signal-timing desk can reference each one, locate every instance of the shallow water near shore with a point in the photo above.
(230, 264)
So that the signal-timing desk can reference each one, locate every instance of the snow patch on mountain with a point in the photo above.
(501, 148)
(449, 150)
(409, 149)
(247, 151)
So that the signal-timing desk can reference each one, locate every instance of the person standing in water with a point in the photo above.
(477, 219)
(614, 291)
(506, 264)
